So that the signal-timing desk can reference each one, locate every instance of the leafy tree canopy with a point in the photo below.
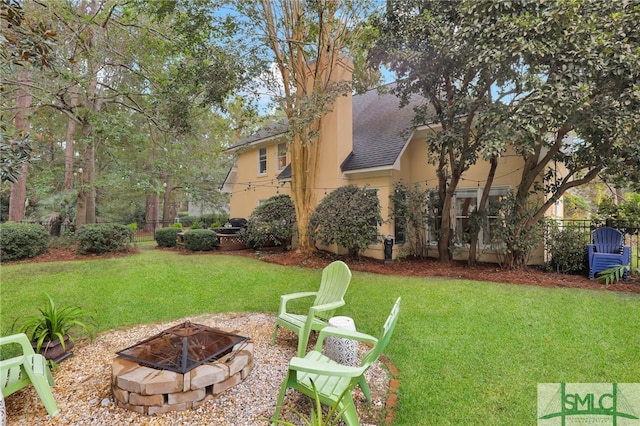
(555, 80)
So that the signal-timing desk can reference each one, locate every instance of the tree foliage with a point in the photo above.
(24, 42)
(307, 41)
(432, 47)
(624, 216)
(557, 81)
(348, 217)
(143, 87)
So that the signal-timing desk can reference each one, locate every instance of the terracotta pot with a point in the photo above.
(52, 349)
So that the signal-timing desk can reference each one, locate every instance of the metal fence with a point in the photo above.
(630, 231)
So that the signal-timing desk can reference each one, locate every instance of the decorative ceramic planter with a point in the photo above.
(53, 349)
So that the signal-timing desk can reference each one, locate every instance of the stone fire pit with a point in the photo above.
(144, 389)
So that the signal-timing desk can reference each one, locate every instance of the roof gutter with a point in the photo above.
(256, 143)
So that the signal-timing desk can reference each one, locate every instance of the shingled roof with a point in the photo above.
(380, 131)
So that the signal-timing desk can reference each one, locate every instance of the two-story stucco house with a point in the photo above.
(369, 140)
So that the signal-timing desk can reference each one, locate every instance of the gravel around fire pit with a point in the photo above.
(83, 391)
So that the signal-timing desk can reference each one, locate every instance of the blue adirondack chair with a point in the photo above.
(607, 251)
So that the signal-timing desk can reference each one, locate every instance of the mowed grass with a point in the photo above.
(467, 352)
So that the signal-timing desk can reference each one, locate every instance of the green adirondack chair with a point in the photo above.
(28, 368)
(330, 296)
(334, 382)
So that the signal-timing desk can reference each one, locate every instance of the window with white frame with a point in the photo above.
(281, 156)
(466, 203)
(400, 230)
(374, 193)
(262, 161)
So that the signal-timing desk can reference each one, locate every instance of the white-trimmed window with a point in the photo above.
(262, 161)
(374, 192)
(281, 157)
(466, 202)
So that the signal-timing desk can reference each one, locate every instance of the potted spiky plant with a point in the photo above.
(52, 331)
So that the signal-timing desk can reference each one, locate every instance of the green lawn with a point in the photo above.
(468, 352)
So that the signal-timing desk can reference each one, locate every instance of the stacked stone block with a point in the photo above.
(148, 390)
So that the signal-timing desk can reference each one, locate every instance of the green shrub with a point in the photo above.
(197, 225)
(349, 217)
(200, 240)
(133, 226)
(103, 238)
(176, 225)
(407, 209)
(568, 250)
(272, 222)
(20, 240)
(167, 237)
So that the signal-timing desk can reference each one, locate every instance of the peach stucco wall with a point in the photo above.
(250, 187)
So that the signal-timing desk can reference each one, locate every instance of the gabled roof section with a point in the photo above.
(381, 129)
(285, 174)
(273, 130)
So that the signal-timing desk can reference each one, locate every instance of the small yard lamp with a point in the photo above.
(388, 249)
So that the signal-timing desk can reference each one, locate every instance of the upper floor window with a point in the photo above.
(281, 157)
(262, 161)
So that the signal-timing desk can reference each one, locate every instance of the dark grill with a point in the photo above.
(183, 347)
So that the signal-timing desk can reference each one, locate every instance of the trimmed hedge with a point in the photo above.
(568, 251)
(167, 237)
(20, 240)
(200, 240)
(271, 223)
(103, 238)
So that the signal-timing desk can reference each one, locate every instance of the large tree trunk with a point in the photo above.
(84, 179)
(446, 231)
(18, 197)
(69, 143)
(90, 175)
(167, 216)
(482, 207)
(86, 209)
(303, 187)
(447, 211)
(152, 212)
(311, 79)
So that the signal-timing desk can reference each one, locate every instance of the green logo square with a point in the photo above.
(564, 404)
